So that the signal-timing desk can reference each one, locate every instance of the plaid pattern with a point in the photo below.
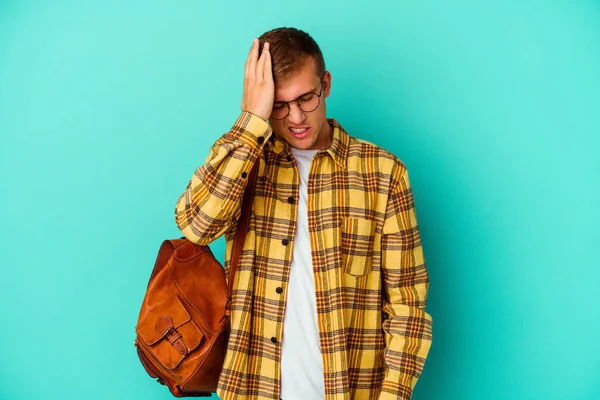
(370, 276)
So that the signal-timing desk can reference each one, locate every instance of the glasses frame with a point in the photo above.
(287, 103)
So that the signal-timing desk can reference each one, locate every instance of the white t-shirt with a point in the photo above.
(301, 362)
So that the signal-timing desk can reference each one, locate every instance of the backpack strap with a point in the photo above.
(240, 234)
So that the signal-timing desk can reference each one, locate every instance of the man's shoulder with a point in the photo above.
(364, 149)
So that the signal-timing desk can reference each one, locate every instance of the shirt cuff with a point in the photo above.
(251, 129)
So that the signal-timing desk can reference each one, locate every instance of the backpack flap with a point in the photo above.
(169, 332)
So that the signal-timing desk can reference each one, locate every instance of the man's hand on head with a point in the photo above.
(259, 88)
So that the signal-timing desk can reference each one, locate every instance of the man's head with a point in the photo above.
(298, 70)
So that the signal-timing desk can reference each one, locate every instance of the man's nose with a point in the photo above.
(296, 114)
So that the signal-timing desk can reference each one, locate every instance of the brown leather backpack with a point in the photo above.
(183, 325)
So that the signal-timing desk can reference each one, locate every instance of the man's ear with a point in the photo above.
(326, 84)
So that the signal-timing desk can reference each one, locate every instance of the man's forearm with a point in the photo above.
(209, 205)
(407, 331)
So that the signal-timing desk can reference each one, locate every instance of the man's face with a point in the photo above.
(304, 130)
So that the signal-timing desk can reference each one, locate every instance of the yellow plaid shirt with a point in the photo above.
(370, 277)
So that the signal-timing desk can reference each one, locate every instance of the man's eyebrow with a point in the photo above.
(302, 95)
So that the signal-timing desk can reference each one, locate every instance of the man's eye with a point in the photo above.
(278, 106)
(306, 97)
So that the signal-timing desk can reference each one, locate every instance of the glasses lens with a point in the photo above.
(306, 103)
(309, 102)
(280, 111)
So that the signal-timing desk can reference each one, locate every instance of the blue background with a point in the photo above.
(107, 107)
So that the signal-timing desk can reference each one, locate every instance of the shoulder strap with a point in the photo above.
(240, 234)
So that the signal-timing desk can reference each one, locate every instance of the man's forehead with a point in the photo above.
(295, 87)
(302, 81)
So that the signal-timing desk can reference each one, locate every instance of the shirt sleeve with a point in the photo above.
(211, 203)
(407, 330)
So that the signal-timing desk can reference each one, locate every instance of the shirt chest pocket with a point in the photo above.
(358, 236)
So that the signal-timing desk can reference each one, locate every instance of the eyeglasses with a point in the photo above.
(308, 102)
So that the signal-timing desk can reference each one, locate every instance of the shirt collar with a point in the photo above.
(339, 143)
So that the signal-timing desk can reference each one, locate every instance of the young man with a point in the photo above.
(330, 291)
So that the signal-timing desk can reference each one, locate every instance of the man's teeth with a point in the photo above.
(298, 130)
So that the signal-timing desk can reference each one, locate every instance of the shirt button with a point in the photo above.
(273, 340)
(289, 158)
(260, 140)
(285, 242)
(291, 200)
(244, 174)
(279, 290)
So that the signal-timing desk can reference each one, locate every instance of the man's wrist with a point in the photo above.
(252, 127)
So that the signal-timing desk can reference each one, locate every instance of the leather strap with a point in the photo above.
(240, 234)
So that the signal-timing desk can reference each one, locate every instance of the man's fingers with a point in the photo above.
(250, 52)
(260, 66)
(247, 64)
(267, 68)
(252, 60)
